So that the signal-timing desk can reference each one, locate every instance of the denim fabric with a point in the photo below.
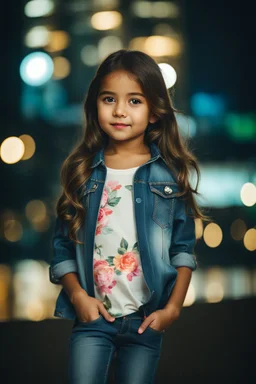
(165, 232)
(93, 345)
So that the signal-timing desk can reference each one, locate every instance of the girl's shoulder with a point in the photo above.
(161, 171)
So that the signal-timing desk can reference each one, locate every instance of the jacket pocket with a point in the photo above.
(163, 202)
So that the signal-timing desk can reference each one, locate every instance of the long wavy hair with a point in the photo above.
(164, 132)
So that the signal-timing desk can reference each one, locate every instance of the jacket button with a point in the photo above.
(167, 190)
(138, 200)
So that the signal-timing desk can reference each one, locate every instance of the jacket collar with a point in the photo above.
(99, 157)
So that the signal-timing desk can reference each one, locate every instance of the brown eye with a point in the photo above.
(137, 101)
(108, 99)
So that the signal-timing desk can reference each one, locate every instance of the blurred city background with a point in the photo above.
(51, 50)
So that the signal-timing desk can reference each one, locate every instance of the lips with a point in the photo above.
(120, 125)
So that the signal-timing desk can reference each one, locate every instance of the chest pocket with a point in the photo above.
(163, 202)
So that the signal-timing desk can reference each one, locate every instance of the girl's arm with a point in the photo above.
(64, 253)
(180, 289)
(181, 258)
(87, 308)
(72, 286)
(163, 318)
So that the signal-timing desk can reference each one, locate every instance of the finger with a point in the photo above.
(145, 324)
(105, 313)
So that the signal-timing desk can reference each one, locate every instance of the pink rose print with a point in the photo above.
(103, 276)
(113, 185)
(104, 198)
(102, 219)
(136, 272)
(126, 262)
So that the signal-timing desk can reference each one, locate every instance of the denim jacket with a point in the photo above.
(165, 233)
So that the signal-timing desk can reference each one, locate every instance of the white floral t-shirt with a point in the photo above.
(118, 275)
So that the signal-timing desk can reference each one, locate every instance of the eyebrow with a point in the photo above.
(113, 93)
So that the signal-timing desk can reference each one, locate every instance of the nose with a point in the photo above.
(119, 110)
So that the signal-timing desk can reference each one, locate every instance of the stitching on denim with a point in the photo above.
(156, 199)
(163, 244)
(161, 182)
(98, 180)
(108, 364)
(154, 190)
(122, 325)
(140, 181)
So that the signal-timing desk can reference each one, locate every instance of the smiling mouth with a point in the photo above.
(120, 125)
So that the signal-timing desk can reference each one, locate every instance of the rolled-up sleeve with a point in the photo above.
(64, 253)
(183, 238)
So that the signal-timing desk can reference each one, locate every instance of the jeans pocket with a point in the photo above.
(90, 322)
(155, 331)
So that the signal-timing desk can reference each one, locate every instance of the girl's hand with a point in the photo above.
(89, 308)
(160, 319)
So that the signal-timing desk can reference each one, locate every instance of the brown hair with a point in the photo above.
(164, 132)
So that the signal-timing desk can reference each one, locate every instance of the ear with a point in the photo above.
(153, 119)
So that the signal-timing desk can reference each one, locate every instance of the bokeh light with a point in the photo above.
(36, 68)
(207, 105)
(138, 43)
(190, 296)
(61, 67)
(214, 292)
(250, 239)
(5, 282)
(157, 9)
(199, 228)
(37, 37)
(42, 225)
(58, 41)
(13, 230)
(215, 283)
(169, 74)
(187, 125)
(103, 21)
(31, 289)
(12, 149)
(89, 55)
(39, 8)
(162, 46)
(107, 45)
(29, 145)
(35, 211)
(248, 194)
(213, 235)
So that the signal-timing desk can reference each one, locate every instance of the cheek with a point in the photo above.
(141, 116)
(100, 113)
(103, 112)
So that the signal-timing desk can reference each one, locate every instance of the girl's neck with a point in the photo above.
(125, 150)
(126, 160)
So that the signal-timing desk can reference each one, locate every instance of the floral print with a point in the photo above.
(108, 199)
(125, 262)
(103, 276)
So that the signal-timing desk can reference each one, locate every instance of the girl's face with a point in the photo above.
(121, 100)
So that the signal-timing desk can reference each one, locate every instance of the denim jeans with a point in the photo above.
(93, 344)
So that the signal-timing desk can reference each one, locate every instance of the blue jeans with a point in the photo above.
(93, 345)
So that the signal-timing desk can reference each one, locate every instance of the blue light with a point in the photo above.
(36, 68)
(206, 105)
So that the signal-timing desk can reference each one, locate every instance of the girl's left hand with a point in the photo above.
(160, 319)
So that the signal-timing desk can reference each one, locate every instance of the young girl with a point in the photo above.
(125, 231)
